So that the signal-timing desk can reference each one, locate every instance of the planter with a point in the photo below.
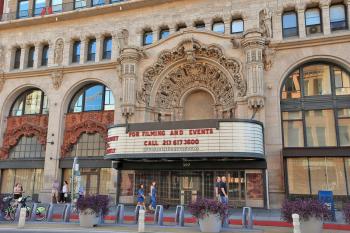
(88, 218)
(313, 225)
(210, 223)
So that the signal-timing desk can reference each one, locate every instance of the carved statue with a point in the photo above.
(268, 55)
(265, 21)
(59, 51)
(57, 78)
(123, 38)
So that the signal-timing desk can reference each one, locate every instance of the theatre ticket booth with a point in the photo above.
(185, 157)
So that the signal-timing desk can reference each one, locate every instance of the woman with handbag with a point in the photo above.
(65, 191)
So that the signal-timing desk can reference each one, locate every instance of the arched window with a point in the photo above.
(30, 102)
(237, 26)
(76, 52)
(45, 55)
(147, 37)
(313, 21)
(164, 33)
(17, 58)
(315, 106)
(219, 27)
(337, 17)
(94, 97)
(31, 55)
(290, 24)
(89, 145)
(91, 50)
(107, 48)
(199, 25)
(27, 148)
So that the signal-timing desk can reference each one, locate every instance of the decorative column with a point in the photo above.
(254, 44)
(51, 54)
(129, 59)
(37, 55)
(83, 50)
(23, 57)
(301, 20)
(324, 4)
(99, 49)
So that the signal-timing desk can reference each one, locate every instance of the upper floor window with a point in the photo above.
(95, 97)
(45, 55)
(164, 33)
(23, 9)
(31, 54)
(97, 2)
(219, 27)
(89, 145)
(113, 1)
(313, 21)
(199, 25)
(30, 102)
(311, 115)
(79, 4)
(290, 24)
(27, 148)
(39, 5)
(91, 50)
(180, 26)
(147, 38)
(17, 60)
(57, 6)
(337, 17)
(107, 48)
(237, 26)
(76, 52)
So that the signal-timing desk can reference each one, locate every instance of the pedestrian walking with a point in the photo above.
(141, 196)
(217, 188)
(223, 191)
(54, 192)
(65, 191)
(153, 192)
(17, 191)
(81, 191)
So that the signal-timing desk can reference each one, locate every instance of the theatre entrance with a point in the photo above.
(183, 187)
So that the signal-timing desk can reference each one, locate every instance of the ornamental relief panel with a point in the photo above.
(191, 54)
(194, 76)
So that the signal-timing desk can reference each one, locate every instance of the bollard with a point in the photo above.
(296, 223)
(180, 216)
(22, 217)
(120, 213)
(141, 222)
(158, 215)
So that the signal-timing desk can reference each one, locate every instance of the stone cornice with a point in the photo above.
(81, 13)
(310, 42)
(65, 69)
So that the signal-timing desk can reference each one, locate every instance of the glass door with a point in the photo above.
(254, 188)
(236, 188)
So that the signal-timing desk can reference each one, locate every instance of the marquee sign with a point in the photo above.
(240, 138)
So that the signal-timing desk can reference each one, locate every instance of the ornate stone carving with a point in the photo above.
(265, 21)
(85, 122)
(19, 126)
(268, 55)
(123, 38)
(235, 43)
(191, 50)
(58, 56)
(194, 75)
(57, 78)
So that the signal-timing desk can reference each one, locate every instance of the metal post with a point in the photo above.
(296, 223)
(73, 176)
(247, 218)
(158, 215)
(180, 215)
(120, 213)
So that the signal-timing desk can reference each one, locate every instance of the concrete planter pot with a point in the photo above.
(210, 223)
(88, 218)
(313, 225)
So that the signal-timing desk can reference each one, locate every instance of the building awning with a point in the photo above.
(187, 139)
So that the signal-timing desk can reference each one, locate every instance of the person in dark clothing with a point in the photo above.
(217, 187)
(223, 191)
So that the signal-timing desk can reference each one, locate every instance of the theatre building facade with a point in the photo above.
(177, 92)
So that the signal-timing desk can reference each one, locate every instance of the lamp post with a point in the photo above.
(75, 173)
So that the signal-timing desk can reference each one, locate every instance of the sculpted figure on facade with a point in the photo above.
(57, 78)
(265, 21)
(268, 56)
(58, 56)
(123, 38)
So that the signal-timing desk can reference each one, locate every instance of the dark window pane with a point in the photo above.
(147, 38)
(93, 98)
(79, 4)
(17, 60)
(76, 52)
(291, 88)
(200, 25)
(98, 2)
(88, 145)
(312, 17)
(27, 147)
(57, 6)
(337, 17)
(107, 48)
(181, 26)
(237, 26)
(290, 26)
(219, 27)
(92, 50)
(45, 55)
(31, 55)
(23, 9)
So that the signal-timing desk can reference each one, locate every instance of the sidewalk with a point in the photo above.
(70, 227)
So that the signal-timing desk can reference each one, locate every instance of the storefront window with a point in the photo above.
(293, 129)
(336, 176)
(298, 176)
(320, 128)
(318, 174)
(317, 80)
(31, 180)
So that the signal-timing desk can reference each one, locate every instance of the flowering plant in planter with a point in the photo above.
(93, 204)
(346, 211)
(201, 208)
(306, 209)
